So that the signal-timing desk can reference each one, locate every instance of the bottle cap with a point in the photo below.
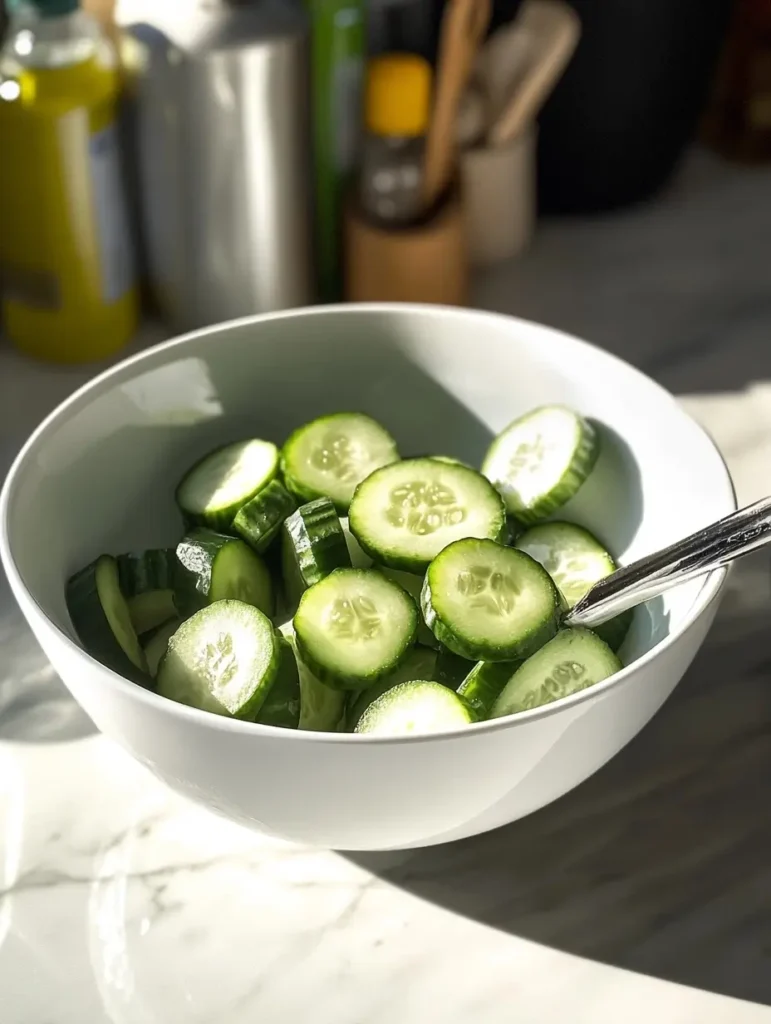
(398, 95)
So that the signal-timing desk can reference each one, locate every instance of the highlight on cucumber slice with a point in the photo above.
(488, 602)
(213, 567)
(158, 644)
(218, 485)
(574, 659)
(322, 708)
(282, 705)
(313, 545)
(540, 460)
(330, 456)
(223, 659)
(261, 518)
(354, 627)
(575, 560)
(148, 570)
(416, 707)
(403, 515)
(101, 617)
(420, 663)
(484, 684)
(150, 610)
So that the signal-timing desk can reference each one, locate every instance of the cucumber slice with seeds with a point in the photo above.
(489, 602)
(484, 684)
(573, 660)
(575, 560)
(261, 518)
(420, 663)
(540, 460)
(282, 705)
(405, 514)
(217, 486)
(330, 456)
(313, 546)
(415, 707)
(101, 618)
(223, 659)
(213, 567)
(354, 627)
(150, 610)
(151, 570)
(158, 644)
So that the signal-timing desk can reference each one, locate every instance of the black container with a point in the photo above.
(614, 128)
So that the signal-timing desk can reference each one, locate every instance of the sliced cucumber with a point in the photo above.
(413, 584)
(615, 630)
(359, 559)
(354, 627)
(540, 460)
(158, 644)
(330, 456)
(513, 530)
(282, 705)
(415, 707)
(213, 567)
(218, 485)
(420, 663)
(223, 659)
(575, 560)
(101, 618)
(489, 602)
(405, 514)
(484, 684)
(151, 570)
(313, 546)
(573, 660)
(445, 458)
(261, 518)
(150, 610)
(451, 669)
(322, 708)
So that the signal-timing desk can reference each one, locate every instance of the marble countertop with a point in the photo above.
(643, 895)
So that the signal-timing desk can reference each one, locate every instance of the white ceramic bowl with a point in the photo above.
(99, 475)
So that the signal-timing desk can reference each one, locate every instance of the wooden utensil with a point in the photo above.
(464, 25)
(542, 38)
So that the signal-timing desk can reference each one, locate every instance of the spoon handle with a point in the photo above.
(703, 551)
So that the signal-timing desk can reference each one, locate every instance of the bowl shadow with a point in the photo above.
(658, 863)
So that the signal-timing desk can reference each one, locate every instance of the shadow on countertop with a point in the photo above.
(661, 862)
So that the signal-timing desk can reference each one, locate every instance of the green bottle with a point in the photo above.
(338, 53)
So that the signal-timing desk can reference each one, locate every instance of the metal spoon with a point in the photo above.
(707, 549)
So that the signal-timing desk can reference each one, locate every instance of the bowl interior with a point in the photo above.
(100, 474)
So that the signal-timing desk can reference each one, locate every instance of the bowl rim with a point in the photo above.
(709, 591)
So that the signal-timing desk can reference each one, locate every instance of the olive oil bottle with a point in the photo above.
(67, 276)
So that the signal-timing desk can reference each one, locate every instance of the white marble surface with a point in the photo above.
(644, 895)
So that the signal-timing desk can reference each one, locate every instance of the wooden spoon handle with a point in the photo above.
(464, 25)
